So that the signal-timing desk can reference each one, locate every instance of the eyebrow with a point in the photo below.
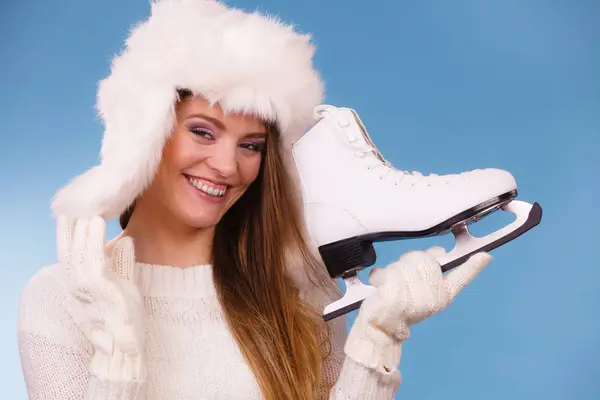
(220, 125)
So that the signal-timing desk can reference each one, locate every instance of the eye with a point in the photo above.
(202, 132)
(255, 147)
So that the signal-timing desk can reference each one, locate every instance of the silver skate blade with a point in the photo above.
(356, 293)
(528, 216)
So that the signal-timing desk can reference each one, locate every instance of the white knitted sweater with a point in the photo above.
(190, 352)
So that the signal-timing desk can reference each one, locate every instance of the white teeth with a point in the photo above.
(206, 188)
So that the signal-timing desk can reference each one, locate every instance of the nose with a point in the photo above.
(223, 160)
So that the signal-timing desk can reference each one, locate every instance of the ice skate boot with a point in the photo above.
(354, 197)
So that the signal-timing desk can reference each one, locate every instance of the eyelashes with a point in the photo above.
(202, 132)
(254, 146)
(207, 134)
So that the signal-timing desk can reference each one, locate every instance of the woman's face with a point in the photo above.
(208, 163)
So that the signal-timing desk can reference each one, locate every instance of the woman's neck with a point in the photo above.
(166, 241)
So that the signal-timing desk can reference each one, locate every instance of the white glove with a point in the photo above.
(408, 291)
(104, 299)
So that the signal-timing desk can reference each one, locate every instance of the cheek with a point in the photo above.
(249, 169)
(180, 154)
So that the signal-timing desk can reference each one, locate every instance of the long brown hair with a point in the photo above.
(282, 337)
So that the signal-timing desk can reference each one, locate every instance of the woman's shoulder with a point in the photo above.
(48, 280)
(46, 325)
(43, 296)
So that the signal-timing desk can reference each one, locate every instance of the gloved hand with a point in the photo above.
(104, 300)
(408, 291)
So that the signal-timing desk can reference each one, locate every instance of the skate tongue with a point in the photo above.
(367, 138)
(372, 148)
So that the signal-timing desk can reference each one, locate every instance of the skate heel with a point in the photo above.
(347, 255)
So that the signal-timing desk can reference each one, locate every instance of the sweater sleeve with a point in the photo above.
(344, 379)
(55, 356)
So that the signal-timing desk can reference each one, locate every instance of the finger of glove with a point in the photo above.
(457, 279)
(123, 259)
(102, 340)
(424, 266)
(64, 237)
(127, 329)
(391, 303)
(436, 252)
(425, 285)
(390, 315)
(435, 278)
(94, 249)
(377, 277)
(128, 340)
(78, 250)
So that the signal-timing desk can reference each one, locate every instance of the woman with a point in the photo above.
(222, 296)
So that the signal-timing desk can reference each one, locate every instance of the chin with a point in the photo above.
(201, 220)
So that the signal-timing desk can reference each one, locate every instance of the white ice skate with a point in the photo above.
(354, 197)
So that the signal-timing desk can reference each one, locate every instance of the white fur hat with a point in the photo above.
(245, 62)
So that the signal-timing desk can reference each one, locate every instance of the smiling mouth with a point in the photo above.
(210, 188)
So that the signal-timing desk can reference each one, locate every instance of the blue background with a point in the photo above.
(442, 87)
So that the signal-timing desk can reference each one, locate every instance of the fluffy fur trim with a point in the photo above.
(246, 62)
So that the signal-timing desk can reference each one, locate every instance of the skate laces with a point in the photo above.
(376, 162)
(366, 148)
(383, 167)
